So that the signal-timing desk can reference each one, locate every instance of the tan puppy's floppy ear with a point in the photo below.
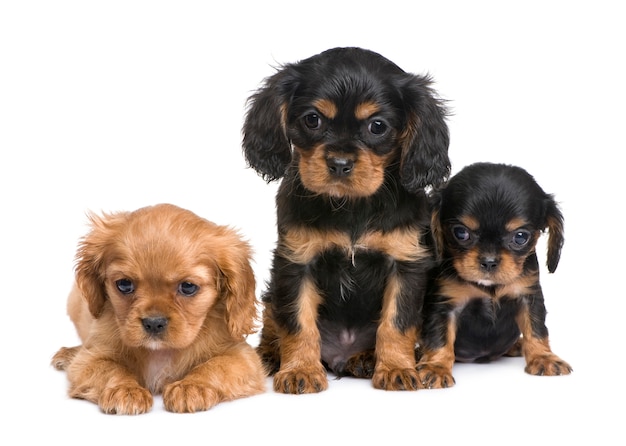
(554, 223)
(91, 259)
(237, 284)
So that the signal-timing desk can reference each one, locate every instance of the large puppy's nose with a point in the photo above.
(154, 325)
(489, 264)
(339, 167)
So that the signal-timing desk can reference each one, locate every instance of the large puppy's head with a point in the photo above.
(163, 269)
(345, 118)
(488, 218)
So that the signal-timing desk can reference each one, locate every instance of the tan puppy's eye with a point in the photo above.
(125, 286)
(188, 289)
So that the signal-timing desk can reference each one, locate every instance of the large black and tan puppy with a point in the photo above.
(355, 140)
(486, 299)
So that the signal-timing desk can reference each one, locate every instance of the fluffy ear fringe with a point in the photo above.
(555, 225)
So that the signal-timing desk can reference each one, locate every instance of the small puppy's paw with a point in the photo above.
(125, 400)
(64, 357)
(184, 397)
(361, 365)
(298, 381)
(550, 365)
(396, 379)
(435, 376)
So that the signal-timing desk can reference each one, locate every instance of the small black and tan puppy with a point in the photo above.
(486, 300)
(355, 140)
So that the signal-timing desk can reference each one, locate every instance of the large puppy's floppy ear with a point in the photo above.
(265, 143)
(425, 142)
(554, 223)
(236, 283)
(91, 259)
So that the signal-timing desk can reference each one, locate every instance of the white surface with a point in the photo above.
(120, 104)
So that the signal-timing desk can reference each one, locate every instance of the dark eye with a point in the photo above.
(377, 127)
(520, 238)
(188, 289)
(461, 233)
(125, 286)
(313, 121)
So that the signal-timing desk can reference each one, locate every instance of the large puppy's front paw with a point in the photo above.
(182, 397)
(396, 379)
(435, 376)
(125, 400)
(548, 365)
(303, 380)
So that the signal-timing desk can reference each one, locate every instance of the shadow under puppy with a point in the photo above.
(355, 140)
(486, 299)
(162, 303)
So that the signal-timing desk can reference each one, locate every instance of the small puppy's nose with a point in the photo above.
(488, 264)
(154, 325)
(339, 167)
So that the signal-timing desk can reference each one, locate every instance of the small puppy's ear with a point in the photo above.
(425, 160)
(435, 224)
(554, 223)
(265, 143)
(91, 257)
(237, 284)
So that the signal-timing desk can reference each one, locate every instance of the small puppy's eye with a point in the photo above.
(125, 286)
(521, 238)
(313, 121)
(461, 233)
(377, 127)
(188, 289)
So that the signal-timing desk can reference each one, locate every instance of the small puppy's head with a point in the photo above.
(161, 270)
(344, 119)
(488, 218)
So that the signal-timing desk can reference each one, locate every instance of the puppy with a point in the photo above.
(486, 299)
(355, 141)
(162, 303)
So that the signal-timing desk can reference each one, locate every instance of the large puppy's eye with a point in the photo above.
(520, 239)
(125, 286)
(377, 127)
(461, 233)
(312, 121)
(188, 289)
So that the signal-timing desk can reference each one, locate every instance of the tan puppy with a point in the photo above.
(163, 302)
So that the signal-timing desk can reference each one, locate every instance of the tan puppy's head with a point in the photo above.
(160, 270)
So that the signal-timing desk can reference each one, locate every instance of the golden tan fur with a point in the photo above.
(187, 273)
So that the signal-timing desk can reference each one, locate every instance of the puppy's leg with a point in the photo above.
(62, 359)
(435, 365)
(301, 369)
(395, 347)
(238, 373)
(107, 383)
(269, 345)
(540, 360)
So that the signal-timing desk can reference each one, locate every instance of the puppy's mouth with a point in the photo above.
(340, 175)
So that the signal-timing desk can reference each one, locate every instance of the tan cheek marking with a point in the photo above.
(326, 107)
(366, 109)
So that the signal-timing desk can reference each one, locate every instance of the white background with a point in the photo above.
(115, 105)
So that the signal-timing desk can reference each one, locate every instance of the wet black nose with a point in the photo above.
(339, 167)
(488, 265)
(154, 325)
